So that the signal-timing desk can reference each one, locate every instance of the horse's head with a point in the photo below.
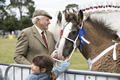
(70, 35)
(66, 18)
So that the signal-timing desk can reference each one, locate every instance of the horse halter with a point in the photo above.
(74, 41)
(74, 44)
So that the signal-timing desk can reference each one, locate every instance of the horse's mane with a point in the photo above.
(101, 28)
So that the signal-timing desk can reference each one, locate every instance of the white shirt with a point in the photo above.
(40, 31)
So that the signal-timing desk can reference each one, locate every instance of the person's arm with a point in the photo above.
(32, 77)
(61, 68)
(21, 49)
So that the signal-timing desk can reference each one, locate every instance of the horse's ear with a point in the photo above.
(59, 16)
(67, 15)
(80, 17)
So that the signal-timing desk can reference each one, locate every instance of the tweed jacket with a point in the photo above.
(30, 43)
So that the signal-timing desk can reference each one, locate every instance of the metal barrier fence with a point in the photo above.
(89, 75)
(17, 72)
(20, 72)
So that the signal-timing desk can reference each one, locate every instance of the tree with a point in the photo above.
(21, 5)
(31, 10)
(11, 23)
(72, 6)
(2, 26)
(26, 20)
(3, 12)
(24, 7)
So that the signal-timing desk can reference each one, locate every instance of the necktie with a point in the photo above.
(44, 39)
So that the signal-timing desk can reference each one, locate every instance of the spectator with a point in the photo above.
(42, 68)
(31, 40)
(3, 33)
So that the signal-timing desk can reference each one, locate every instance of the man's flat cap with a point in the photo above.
(41, 13)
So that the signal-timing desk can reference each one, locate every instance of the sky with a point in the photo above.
(53, 6)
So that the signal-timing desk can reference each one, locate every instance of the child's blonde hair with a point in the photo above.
(45, 61)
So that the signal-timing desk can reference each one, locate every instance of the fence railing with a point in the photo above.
(17, 72)
(20, 72)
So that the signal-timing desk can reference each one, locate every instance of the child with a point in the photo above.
(42, 68)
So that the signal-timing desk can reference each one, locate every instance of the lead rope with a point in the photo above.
(57, 52)
(56, 60)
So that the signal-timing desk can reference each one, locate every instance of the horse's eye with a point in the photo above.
(74, 32)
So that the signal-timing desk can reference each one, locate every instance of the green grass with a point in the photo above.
(7, 49)
(78, 62)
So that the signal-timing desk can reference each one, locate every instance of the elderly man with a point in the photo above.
(35, 40)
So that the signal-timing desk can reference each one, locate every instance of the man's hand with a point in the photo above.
(54, 55)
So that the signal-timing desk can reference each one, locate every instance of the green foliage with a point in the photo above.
(21, 5)
(2, 26)
(10, 22)
(31, 11)
(25, 22)
(3, 12)
(72, 6)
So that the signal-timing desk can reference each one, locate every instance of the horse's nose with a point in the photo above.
(65, 55)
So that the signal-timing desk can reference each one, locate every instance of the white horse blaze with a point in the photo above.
(66, 32)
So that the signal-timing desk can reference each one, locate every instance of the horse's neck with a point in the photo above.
(111, 18)
(98, 43)
(99, 38)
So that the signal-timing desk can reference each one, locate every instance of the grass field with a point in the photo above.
(7, 49)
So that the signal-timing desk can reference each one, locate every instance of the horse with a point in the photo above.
(56, 26)
(97, 40)
(58, 23)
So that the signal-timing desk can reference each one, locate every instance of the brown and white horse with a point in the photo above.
(96, 40)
